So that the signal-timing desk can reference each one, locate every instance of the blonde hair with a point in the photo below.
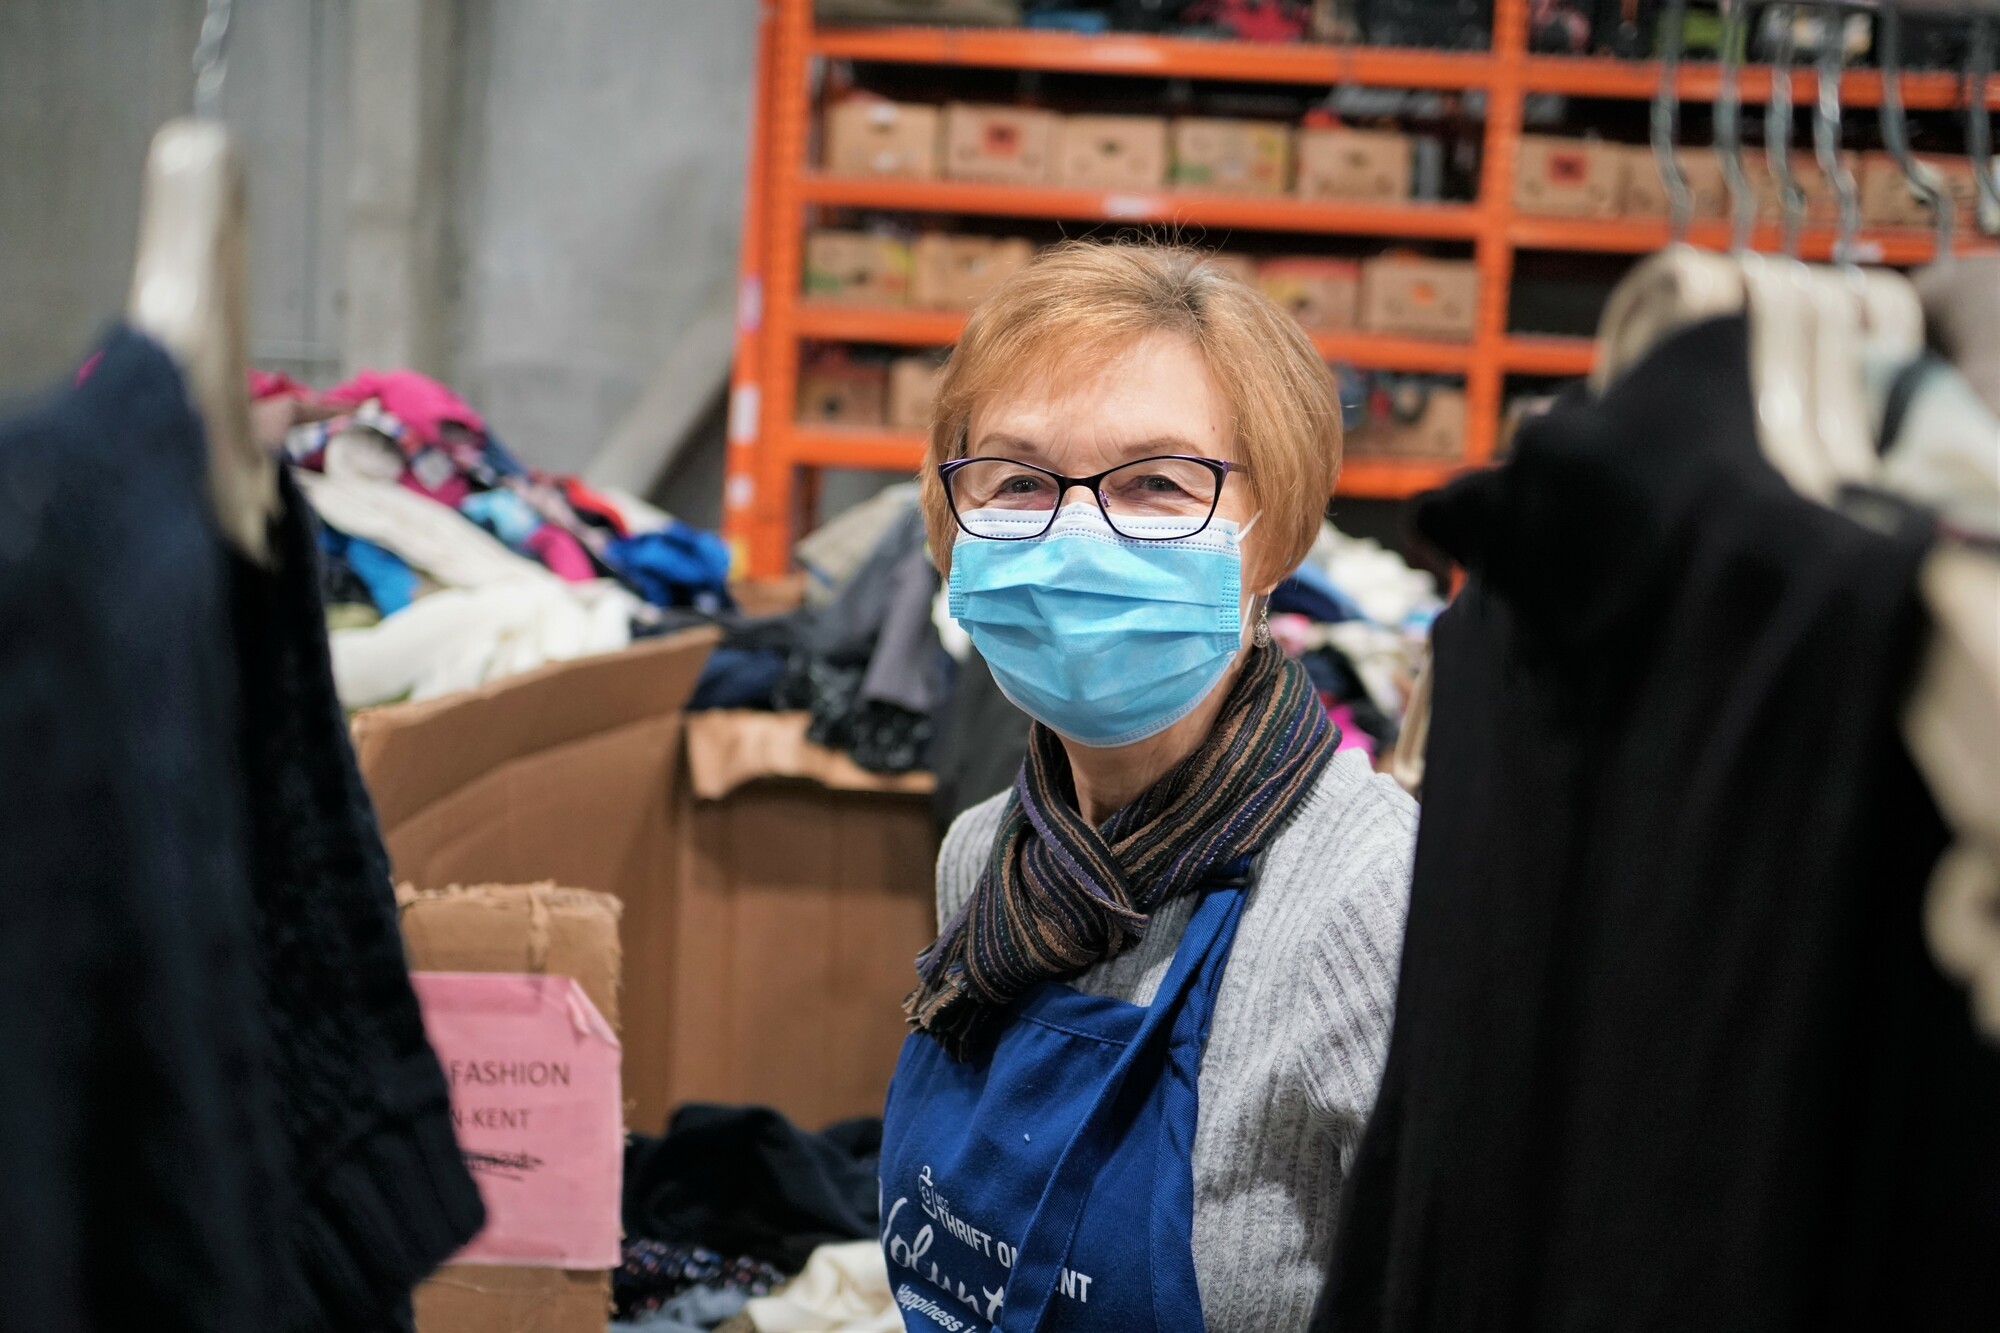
(1081, 303)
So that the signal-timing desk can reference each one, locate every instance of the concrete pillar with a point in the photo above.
(401, 94)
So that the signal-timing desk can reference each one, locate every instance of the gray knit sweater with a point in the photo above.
(1301, 1027)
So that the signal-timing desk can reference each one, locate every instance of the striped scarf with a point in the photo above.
(1059, 896)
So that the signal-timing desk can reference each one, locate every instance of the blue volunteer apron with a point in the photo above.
(1048, 1183)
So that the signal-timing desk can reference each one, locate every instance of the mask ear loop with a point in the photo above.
(1261, 636)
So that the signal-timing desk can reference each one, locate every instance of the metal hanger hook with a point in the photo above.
(1666, 123)
(1924, 182)
(1978, 123)
(211, 58)
(1729, 124)
(1778, 137)
(1826, 142)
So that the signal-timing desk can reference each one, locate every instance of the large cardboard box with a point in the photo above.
(767, 935)
(1237, 156)
(1370, 166)
(956, 272)
(857, 267)
(1319, 293)
(537, 928)
(1436, 431)
(867, 136)
(1111, 152)
(1420, 298)
(1646, 194)
(835, 391)
(1013, 144)
(1577, 178)
(912, 387)
(1887, 200)
(467, 1298)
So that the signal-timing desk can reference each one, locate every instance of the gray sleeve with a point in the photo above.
(966, 846)
(1349, 987)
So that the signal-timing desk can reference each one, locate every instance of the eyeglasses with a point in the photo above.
(1148, 499)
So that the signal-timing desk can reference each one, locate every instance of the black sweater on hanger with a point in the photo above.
(218, 1110)
(1669, 1052)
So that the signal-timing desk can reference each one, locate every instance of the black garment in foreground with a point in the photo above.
(377, 1193)
(743, 1180)
(1669, 1052)
(217, 1110)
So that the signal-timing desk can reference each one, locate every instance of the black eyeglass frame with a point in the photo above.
(1221, 467)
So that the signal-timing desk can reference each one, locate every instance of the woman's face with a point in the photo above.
(1156, 397)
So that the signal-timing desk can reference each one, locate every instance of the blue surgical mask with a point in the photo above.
(1105, 639)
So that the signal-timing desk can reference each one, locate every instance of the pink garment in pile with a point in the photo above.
(561, 552)
(418, 401)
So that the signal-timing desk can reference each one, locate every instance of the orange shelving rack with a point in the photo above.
(772, 457)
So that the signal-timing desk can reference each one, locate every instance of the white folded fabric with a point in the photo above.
(462, 637)
(844, 1289)
(433, 538)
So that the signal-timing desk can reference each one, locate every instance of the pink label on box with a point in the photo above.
(535, 1097)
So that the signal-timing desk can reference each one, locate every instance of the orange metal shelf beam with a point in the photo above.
(1447, 221)
(1639, 80)
(903, 451)
(909, 327)
(1371, 478)
(1159, 57)
(1543, 354)
(875, 450)
(1909, 245)
(898, 326)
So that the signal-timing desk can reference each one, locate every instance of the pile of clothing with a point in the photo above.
(738, 1219)
(447, 562)
(861, 654)
(1358, 618)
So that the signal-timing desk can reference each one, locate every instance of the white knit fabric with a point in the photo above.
(1301, 1028)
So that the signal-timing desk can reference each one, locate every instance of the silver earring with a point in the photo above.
(1261, 636)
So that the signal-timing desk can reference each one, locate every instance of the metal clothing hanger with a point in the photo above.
(1680, 285)
(189, 289)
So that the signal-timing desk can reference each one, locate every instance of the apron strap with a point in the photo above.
(1045, 1248)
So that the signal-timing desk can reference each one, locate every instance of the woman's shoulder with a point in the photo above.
(964, 852)
(1351, 817)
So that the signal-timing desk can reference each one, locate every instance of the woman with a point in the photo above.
(1147, 1039)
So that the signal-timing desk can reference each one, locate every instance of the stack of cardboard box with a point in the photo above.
(1014, 145)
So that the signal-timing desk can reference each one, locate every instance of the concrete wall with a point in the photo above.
(598, 205)
(83, 85)
(592, 180)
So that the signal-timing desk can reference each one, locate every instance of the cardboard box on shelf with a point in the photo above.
(1822, 203)
(1888, 201)
(1319, 293)
(1235, 156)
(1436, 431)
(576, 773)
(1420, 298)
(1012, 144)
(912, 386)
(1573, 178)
(834, 391)
(857, 267)
(868, 136)
(1111, 152)
(1371, 166)
(956, 272)
(1241, 267)
(1646, 194)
